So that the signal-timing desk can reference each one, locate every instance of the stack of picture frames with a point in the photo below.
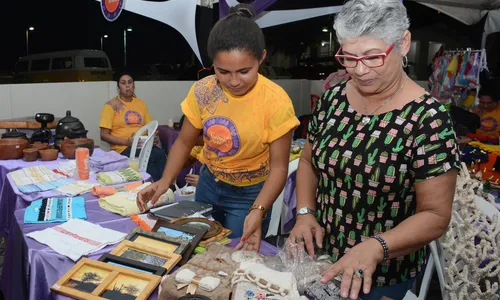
(215, 233)
(96, 280)
(133, 269)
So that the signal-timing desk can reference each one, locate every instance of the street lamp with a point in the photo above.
(129, 29)
(27, 39)
(102, 41)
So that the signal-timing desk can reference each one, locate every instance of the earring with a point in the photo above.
(405, 61)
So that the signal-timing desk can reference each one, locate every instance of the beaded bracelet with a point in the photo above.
(384, 246)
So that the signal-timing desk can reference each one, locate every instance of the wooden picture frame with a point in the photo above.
(103, 278)
(195, 236)
(214, 228)
(157, 240)
(145, 254)
(132, 264)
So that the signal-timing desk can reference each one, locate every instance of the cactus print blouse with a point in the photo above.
(367, 172)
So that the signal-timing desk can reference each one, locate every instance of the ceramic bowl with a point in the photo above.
(12, 148)
(30, 154)
(69, 146)
(49, 154)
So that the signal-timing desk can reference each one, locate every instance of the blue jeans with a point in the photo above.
(394, 292)
(231, 203)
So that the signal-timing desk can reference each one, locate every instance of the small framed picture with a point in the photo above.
(96, 280)
(213, 227)
(147, 255)
(132, 264)
(158, 241)
(181, 234)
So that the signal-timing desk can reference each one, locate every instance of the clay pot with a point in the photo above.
(39, 146)
(12, 148)
(69, 146)
(49, 154)
(30, 154)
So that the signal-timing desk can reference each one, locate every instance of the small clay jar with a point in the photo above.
(30, 154)
(49, 154)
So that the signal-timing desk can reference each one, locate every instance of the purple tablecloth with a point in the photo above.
(167, 136)
(11, 199)
(31, 268)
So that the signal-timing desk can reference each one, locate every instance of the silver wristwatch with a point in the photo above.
(305, 211)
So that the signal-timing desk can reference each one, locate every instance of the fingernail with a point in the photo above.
(243, 239)
(344, 294)
(353, 296)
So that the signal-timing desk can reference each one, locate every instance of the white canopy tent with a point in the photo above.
(469, 12)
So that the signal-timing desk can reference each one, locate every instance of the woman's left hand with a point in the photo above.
(252, 231)
(364, 257)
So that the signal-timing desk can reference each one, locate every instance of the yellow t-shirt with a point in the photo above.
(490, 123)
(195, 152)
(124, 119)
(238, 130)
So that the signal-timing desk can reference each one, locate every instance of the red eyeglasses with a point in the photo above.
(371, 61)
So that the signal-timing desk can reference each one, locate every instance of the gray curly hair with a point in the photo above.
(383, 19)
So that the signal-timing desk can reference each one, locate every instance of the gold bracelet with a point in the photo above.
(259, 207)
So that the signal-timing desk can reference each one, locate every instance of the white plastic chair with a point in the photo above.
(276, 214)
(146, 146)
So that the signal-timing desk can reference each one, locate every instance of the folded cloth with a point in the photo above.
(52, 210)
(33, 175)
(488, 148)
(472, 154)
(107, 161)
(77, 238)
(44, 186)
(76, 188)
(117, 177)
(101, 191)
(124, 203)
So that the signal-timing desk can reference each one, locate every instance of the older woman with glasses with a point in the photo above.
(376, 179)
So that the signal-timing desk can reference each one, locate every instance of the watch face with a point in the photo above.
(303, 211)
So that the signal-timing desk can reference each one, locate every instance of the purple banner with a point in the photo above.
(259, 5)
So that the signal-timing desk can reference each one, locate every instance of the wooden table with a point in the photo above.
(25, 123)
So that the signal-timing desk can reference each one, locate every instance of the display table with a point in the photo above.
(31, 268)
(11, 199)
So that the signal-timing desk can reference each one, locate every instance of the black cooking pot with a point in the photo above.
(15, 135)
(69, 127)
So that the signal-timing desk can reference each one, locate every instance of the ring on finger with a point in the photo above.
(359, 273)
(299, 240)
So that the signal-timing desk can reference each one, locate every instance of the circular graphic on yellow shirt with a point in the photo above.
(222, 136)
(133, 117)
(489, 124)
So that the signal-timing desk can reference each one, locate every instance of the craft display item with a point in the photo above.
(180, 234)
(194, 297)
(147, 255)
(202, 270)
(82, 163)
(96, 280)
(213, 227)
(132, 264)
(247, 256)
(221, 238)
(158, 240)
(189, 278)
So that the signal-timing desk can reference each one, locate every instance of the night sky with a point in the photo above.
(59, 26)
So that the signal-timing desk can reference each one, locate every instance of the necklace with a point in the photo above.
(366, 119)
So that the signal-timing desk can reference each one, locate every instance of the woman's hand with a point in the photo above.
(252, 231)
(192, 179)
(130, 140)
(305, 230)
(151, 194)
(356, 267)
